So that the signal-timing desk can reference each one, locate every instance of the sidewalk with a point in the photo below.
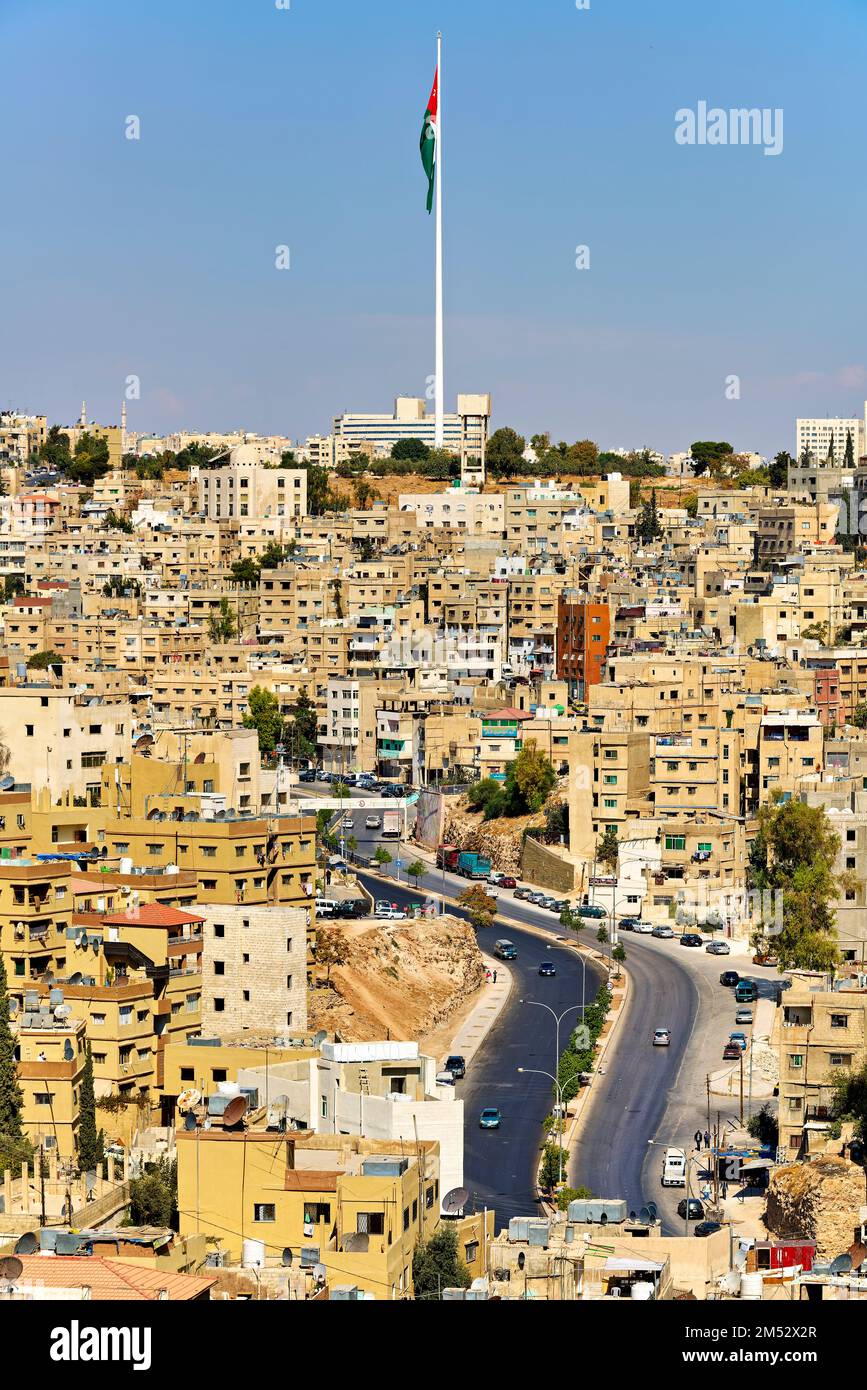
(472, 1032)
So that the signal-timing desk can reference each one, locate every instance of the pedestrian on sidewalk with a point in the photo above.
(495, 977)
(487, 977)
(697, 1138)
(707, 1139)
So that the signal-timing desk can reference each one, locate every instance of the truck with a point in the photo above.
(472, 865)
(391, 824)
(447, 857)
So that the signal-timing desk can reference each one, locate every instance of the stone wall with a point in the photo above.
(254, 972)
(543, 866)
(819, 1201)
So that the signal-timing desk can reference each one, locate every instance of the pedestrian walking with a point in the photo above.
(495, 977)
(487, 977)
(697, 1138)
(707, 1139)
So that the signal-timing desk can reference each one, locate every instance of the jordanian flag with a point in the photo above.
(428, 142)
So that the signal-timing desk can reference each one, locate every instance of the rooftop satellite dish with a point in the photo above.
(286, 1257)
(62, 1012)
(644, 1216)
(190, 1122)
(234, 1112)
(76, 978)
(653, 1210)
(188, 1098)
(319, 1038)
(11, 1269)
(28, 1244)
(841, 1265)
(455, 1200)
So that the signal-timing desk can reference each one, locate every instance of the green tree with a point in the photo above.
(778, 469)
(552, 1167)
(849, 1101)
(529, 779)
(504, 453)
(332, 949)
(382, 856)
(572, 1194)
(13, 585)
(437, 1265)
(647, 525)
(762, 1125)
(302, 730)
(412, 449)
(40, 661)
(608, 849)
(859, 717)
(481, 908)
(153, 1198)
(264, 717)
(318, 489)
(222, 625)
(793, 855)
(583, 456)
(415, 871)
(245, 571)
(690, 504)
(114, 522)
(619, 954)
(364, 493)
(10, 1091)
(709, 456)
(55, 453)
(91, 1141)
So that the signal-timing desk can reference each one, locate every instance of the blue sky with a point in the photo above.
(262, 127)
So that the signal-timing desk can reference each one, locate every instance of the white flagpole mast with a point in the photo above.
(439, 396)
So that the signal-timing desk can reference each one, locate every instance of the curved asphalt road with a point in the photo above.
(612, 1156)
(500, 1165)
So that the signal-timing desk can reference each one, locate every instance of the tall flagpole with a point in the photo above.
(439, 397)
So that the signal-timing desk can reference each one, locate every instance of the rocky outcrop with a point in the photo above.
(401, 980)
(819, 1200)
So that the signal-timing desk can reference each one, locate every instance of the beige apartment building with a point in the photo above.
(244, 488)
(821, 1032)
(61, 741)
(255, 969)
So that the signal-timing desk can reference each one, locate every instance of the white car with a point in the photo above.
(643, 928)
(348, 823)
(662, 1037)
(372, 823)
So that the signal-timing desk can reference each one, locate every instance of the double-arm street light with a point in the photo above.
(535, 1071)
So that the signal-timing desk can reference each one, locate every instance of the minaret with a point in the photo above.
(83, 420)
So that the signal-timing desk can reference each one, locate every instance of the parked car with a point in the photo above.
(307, 774)
(445, 1078)
(707, 1228)
(551, 904)
(523, 894)
(729, 978)
(490, 1118)
(372, 823)
(662, 1037)
(506, 881)
(643, 928)
(691, 938)
(537, 899)
(718, 948)
(731, 1052)
(591, 910)
(547, 968)
(322, 775)
(495, 877)
(744, 1016)
(746, 992)
(457, 1066)
(690, 1209)
(665, 933)
(740, 1039)
(627, 924)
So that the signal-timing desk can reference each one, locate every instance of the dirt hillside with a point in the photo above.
(402, 979)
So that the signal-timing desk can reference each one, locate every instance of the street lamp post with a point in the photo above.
(536, 1071)
(558, 1018)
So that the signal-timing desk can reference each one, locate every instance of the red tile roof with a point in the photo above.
(111, 1278)
(152, 915)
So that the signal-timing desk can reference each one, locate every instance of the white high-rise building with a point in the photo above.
(816, 437)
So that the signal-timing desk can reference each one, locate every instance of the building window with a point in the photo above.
(219, 1006)
(370, 1223)
(219, 967)
(839, 1020)
(264, 1211)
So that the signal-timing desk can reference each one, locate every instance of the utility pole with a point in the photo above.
(707, 1083)
(741, 1115)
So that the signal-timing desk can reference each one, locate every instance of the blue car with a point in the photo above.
(489, 1119)
(740, 1039)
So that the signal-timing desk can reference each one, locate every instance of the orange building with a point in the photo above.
(583, 633)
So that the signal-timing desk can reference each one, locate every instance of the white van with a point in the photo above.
(674, 1168)
(326, 907)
